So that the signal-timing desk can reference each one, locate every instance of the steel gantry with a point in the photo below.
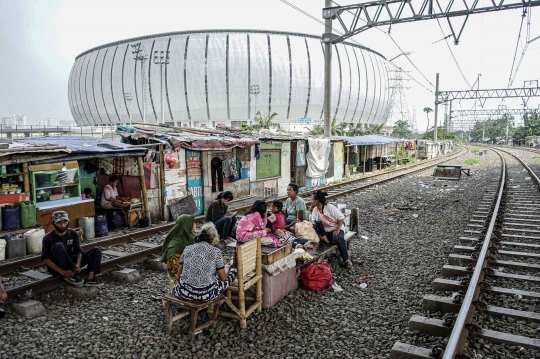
(357, 18)
(524, 93)
(494, 112)
(361, 17)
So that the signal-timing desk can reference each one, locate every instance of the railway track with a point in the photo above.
(141, 249)
(498, 257)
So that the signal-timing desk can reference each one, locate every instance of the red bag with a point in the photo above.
(316, 276)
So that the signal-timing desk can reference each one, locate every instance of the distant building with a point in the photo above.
(55, 122)
(19, 120)
(387, 130)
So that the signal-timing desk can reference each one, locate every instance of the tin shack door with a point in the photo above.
(195, 179)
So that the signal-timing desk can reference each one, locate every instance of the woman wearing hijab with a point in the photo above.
(179, 237)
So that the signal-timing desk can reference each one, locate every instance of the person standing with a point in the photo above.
(218, 213)
(63, 255)
(295, 207)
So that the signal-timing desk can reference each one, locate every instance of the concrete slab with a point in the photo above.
(126, 275)
(29, 309)
(35, 275)
(82, 292)
(155, 264)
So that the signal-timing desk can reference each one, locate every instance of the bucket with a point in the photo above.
(10, 218)
(88, 226)
(100, 225)
(144, 222)
(115, 219)
(16, 246)
(3, 244)
(28, 213)
(34, 240)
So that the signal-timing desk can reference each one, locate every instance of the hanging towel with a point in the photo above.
(330, 172)
(317, 157)
(301, 153)
(338, 151)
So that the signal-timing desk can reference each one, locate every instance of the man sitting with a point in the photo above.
(63, 255)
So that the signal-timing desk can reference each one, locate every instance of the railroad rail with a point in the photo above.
(506, 218)
(149, 251)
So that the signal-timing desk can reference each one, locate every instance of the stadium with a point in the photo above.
(223, 77)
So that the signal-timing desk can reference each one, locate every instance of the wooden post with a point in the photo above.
(162, 181)
(402, 152)
(26, 181)
(364, 165)
(396, 155)
(143, 188)
(241, 294)
(355, 220)
(348, 165)
(258, 272)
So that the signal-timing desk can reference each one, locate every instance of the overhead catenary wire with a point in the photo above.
(356, 42)
(401, 50)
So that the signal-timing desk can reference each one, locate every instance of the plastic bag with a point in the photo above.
(305, 231)
(316, 276)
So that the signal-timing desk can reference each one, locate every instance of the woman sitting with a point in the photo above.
(218, 213)
(295, 207)
(201, 273)
(178, 238)
(110, 198)
(253, 224)
(327, 221)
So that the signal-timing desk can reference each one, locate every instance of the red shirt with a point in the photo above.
(279, 223)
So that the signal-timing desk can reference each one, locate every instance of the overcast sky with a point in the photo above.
(39, 41)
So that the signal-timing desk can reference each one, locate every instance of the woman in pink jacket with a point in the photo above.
(253, 224)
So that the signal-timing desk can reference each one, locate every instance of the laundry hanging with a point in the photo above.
(317, 157)
(330, 172)
(338, 151)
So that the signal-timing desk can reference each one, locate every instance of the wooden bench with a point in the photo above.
(321, 249)
(448, 172)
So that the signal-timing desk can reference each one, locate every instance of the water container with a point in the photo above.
(2, 249)
(28, 213)
(100, 223)
(116, 219)
(87, 224)
(16, 246)
(34, 240)
(10, 218)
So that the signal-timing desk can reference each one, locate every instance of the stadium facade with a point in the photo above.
(208, 80)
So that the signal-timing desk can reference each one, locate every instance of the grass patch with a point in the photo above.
(472, 161)
(536, 158)
(475, 149)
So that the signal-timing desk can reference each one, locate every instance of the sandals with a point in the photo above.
(348, 264)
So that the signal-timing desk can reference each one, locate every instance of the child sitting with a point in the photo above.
(277, 218)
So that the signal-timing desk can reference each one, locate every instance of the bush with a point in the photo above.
(472, 161)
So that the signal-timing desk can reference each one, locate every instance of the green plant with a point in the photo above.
(536, 158)
(266, 122)
(336, 129)
(472, 161)
(475, 149)
(390, 168)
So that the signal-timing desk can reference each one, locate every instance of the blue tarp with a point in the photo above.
(85, 145)
(368, 140)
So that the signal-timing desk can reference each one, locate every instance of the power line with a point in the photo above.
(356, 42)
(452, 53)
(399, 47)
(517, 46)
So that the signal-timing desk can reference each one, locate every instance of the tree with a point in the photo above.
(266, 122)
(402, 129)
(492, 128)
(427, 110)
(336, 129)
(442, 134)
(531, 126)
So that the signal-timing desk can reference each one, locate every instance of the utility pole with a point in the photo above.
(128, 98)
(161, 58)
(436, 107)
(327, 76)
(254, 90)
(139, 54)
(483, 131)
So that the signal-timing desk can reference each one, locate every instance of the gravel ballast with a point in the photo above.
(405, 251)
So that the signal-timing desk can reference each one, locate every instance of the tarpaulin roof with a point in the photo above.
(20, 153)
(176, 138)
(85, 146)
(369, 140)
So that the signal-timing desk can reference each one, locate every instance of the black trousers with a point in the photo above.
(217, 170)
